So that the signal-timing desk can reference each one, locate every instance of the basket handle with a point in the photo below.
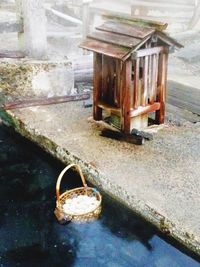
(61, 176)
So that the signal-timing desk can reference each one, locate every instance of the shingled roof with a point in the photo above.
(119, 38)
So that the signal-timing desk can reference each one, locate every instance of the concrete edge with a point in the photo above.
(97, 179)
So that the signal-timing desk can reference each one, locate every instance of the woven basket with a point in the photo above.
(61, 215)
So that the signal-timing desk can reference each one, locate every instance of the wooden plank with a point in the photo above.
(106, 49)
(143, 110)
(161, 89)
(111, 80)
(117, 95)
(111, 108)
(127, 88)
(126, 29)
(154, 78)
(108, 79)
(114, 38)
(97, 112)
(136, 83)
(150, 77)
(11, 54)
(148, 51)
(116, 135)
(144, 92)
(133, 20)
(105, 77)
(44, 101)
(171, 41)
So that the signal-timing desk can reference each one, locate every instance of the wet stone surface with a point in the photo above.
(30, 235)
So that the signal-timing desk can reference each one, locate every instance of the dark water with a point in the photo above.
(30, 235)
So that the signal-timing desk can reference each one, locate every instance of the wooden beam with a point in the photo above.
(148, 51)
(127, 88)
(97, 111)
(111, 108)
(145, 85)
(136, 83)
(44, 101)
(161, 89)
(143, 110)
(129, 138)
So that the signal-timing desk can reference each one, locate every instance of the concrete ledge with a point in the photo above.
(28, 122)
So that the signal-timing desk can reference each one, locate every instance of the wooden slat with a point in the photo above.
(127, 88)
(126, 29)
(117, 95)
(145, 81)
(136, 83)
(108, 79)
(11, 54)
(149, 51)
(97, 112)
(111, 108)
(114, 38)
(111, 83)
(150, 76)
(143, 110)
(44, 101)
(154, 78)
(135, 20)
(166, 38)
(104, 48)
(161, 89)
(105, 76)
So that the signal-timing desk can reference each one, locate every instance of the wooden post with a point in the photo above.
(97, 112)
(145, 82)
(105, 77)
(127, 89)
(136, 82)
(161, 90)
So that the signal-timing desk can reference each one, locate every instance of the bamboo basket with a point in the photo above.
(61, 215)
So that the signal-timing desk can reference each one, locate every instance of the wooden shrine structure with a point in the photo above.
(130, 71)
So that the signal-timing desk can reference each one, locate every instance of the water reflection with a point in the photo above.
(31, 236)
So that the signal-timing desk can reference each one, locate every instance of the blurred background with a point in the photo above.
(68, 21)
(61, 25)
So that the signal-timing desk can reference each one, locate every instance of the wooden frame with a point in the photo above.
(132, 88)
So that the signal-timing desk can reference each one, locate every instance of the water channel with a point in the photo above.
(31, 237)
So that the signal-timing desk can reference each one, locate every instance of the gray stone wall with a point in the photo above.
(25, 78)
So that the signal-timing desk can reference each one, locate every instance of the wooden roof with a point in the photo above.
(119, 39)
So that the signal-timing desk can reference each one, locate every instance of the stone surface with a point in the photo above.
(159, 180)
(27, 78)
